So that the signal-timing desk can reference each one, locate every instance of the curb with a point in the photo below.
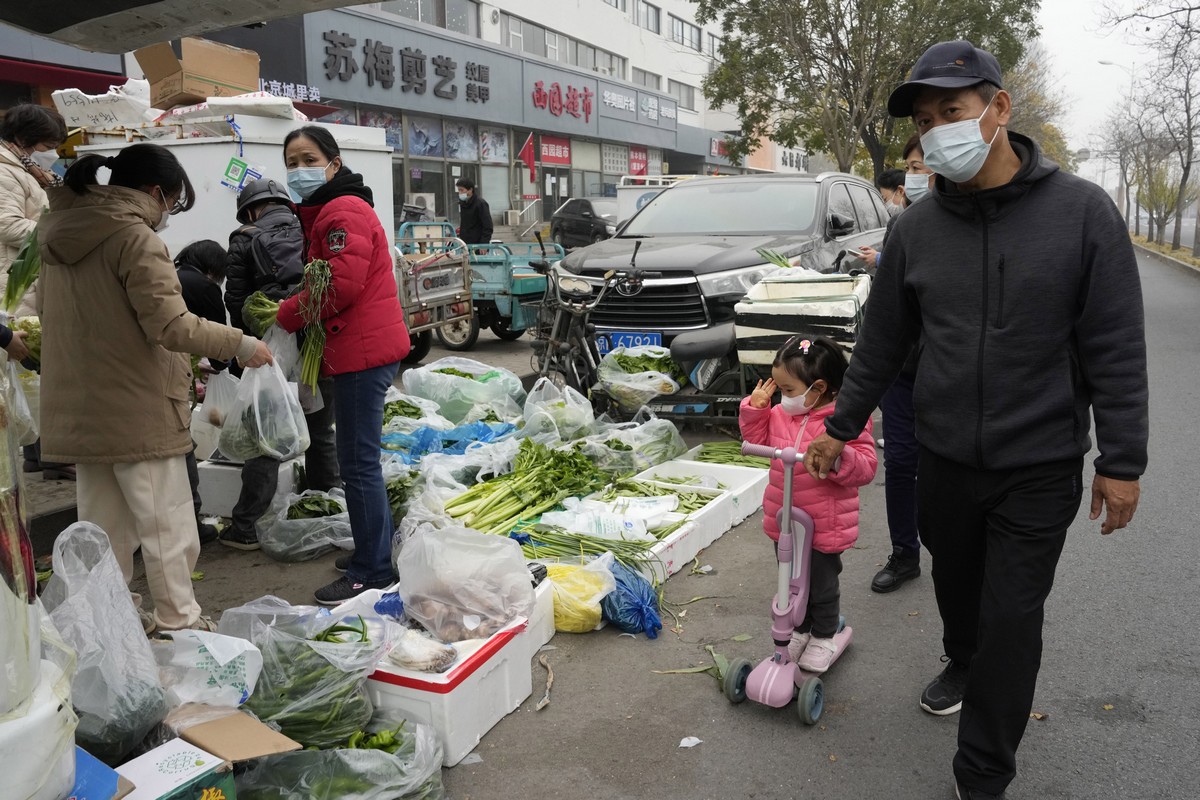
(1166, 259)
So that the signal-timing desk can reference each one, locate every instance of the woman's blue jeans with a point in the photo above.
(358, 413)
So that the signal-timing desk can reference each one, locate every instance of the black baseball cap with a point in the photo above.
(947, 65)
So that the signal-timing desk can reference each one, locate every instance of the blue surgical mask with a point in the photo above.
(916, 186)
(303, 181)
(957, 151)
(795, 405)
(462, 198)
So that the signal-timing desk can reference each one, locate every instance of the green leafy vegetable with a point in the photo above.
(260, 312)
(401, 408)
(23, 271)
(318, 280)
(315, 506)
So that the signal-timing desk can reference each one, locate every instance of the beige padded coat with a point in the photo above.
(22, 199)
(115, 332)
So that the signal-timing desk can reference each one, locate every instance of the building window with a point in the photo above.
(649, 17)
(610, 64)
(617, 4)
(510, 32)
(552, 46)
(647, 79)
(714, 46)
(535, 39)
(684, 95)
(685, 33)
(462, 16)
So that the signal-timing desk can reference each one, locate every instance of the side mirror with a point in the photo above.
(585, 213)
(839, 225)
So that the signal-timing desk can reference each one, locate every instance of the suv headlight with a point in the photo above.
(734, 281)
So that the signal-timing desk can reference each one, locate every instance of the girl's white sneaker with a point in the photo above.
(818, 655)
(797, 645)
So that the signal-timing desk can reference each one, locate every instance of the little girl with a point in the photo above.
(808, 374)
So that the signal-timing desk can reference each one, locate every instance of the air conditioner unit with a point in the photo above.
(512, 217)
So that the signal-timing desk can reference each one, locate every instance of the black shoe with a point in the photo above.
(238, 541)
(344, 589)
(944, 695)
(963, 793)
(208, 533)
(343, 562)
(896, 572)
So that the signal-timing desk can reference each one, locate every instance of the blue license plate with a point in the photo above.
(610, 341)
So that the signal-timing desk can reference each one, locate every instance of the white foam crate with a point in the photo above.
(490, 679)
(744, 484)
(220, 485)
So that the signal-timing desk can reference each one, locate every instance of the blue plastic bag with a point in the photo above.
(412, 447)
(633, 606)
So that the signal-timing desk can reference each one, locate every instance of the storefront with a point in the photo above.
(31, 68)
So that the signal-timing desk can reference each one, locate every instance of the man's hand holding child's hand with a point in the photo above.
(762, 394)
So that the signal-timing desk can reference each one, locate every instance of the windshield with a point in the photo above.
(605, 208)
(728, 207)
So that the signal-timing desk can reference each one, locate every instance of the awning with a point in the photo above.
(37, 74)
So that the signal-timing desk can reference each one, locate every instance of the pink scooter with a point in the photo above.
(777, 679)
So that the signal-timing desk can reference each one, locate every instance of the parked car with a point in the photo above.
(584, 220)
(703, 236)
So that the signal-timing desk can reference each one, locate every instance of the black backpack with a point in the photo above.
(278, 254)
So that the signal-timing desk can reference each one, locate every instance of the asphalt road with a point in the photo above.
(1118, 685)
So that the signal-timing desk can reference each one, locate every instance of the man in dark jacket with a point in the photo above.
(266, 254)
(475, 218)
(1019, 282)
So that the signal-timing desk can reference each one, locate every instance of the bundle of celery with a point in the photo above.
(540, 480)
(730, 453)
(689, 502)
(318, 280)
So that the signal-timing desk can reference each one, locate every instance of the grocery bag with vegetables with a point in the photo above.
(313, 684)
(634, 375)
(461, 386)
(306, 526)
(554, 415)
(631, 447)
(633, 605)
(265, 420)
(401, 762)
(578, 590)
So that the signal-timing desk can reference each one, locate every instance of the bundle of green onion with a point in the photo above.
(540, 480)
(315, 296)
(546, 542)
(23, 271)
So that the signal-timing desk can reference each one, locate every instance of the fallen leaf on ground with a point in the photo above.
(832, 757)
(197, 576)
(1039, 716)
(1107, 706)
(742, 637)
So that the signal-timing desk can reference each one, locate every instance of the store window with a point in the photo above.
(647, 79)
(685, 33)
(684, 95)
(649, 17)
(425, 137)
(462, 141)
(391, 123)
(427, 186)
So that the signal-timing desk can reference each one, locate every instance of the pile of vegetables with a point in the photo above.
(315, 506)
(730, 453)
(318, 280)
(400, 408)
(260, 312)
(398, 488)
(547, 542)
(635, 364)
(458, 373)
(246, 440)
(541, 478)
(32, 326)
(689, 502)
(312, 700)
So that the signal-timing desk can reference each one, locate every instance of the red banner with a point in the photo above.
(526, 155)
(639, 160)
(555, 150)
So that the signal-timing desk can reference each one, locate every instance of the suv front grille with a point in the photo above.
(663, 303)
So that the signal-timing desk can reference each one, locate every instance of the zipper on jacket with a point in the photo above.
(983, 323)
(1000, 276)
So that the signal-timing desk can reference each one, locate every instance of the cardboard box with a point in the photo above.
(238, 737)
(178, 770)
(207, 69)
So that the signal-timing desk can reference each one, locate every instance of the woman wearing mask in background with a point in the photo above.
(365, 340)
(111, 307)
(899, 421)
(29, 139)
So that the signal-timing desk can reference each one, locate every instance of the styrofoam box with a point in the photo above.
(744, 484)
(694, 454)
(490, 679)
(715, 517)
(220, 485)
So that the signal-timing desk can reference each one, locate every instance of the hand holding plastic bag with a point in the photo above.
(266, 419)
(208, 419)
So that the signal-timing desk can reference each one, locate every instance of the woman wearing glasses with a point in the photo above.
(115, 369)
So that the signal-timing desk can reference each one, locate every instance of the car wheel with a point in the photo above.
(557, 237)
(421, 342)
(597, 237)
(460, 335)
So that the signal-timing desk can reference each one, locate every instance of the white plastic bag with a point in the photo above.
(209, 668)
(266, 419)
(116, 689)
(285, 539)
(578, 590)
(461, 584)
(456, 396)
(632, 390)
(554, 415)
(630, 447)
(20, 416)
(400, 422)
(285, 348)
(270, 610)
(208, 418)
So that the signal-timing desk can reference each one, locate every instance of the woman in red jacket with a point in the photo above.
(365, 339)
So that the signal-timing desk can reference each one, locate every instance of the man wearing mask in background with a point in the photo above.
(475, 218)
(1004, 386)
(890, 184)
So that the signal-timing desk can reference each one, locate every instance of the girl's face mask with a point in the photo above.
(796, 405)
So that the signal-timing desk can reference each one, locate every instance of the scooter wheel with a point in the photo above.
(735, 680)
(811, 701)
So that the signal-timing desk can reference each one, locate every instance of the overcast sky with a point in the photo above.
(1076, 41)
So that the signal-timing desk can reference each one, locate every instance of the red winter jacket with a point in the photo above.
(833, 502)
(364, 325)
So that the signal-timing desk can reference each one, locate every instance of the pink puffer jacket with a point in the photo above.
(833, 502)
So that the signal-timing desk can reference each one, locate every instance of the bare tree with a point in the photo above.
(1038, 103)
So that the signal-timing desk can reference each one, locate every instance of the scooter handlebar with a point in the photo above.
(788, 455)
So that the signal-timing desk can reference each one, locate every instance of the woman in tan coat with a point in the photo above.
(115, 370)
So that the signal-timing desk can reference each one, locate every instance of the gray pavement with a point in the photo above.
(1118, 685)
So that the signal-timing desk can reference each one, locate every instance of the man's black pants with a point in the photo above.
(995, 537)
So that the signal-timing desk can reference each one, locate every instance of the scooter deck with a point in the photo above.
(775, 683)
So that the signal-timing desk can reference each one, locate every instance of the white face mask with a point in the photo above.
(164, 218)
(795, 404)
(957, 151)
(916, 186)
(44, 158)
